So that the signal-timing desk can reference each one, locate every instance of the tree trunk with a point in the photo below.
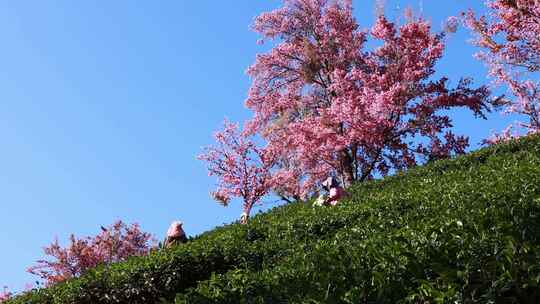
(347, 167)
(245, 215)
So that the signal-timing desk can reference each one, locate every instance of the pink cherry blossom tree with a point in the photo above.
(330, 105)
(113, 244)
(508, 36)
(243, 170)
(5, 294)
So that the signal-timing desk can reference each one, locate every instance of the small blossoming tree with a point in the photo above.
(243, 169)
(113, 244)
(5, 294)
(509, 37)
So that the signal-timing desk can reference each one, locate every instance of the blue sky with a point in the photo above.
(104, 106)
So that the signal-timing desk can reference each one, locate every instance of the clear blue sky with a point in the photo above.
(104, 106)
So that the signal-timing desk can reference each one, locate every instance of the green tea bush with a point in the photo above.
(454, 231)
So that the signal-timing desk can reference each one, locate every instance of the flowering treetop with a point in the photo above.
(510, 41)
(328, 105)
(114, 243)
(5, 295)
(243, 169)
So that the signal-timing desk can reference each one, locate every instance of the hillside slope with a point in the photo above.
(454, 231)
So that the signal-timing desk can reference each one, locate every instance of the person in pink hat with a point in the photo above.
(175, 235)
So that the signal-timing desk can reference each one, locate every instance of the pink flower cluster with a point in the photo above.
(508, 36)
(115, 243)
(324, 104)
(242, 168)
(328, 105)
(5, 295)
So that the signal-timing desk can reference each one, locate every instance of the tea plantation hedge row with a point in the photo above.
(453, 231)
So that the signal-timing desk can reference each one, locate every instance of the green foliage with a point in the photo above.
(454, 231)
